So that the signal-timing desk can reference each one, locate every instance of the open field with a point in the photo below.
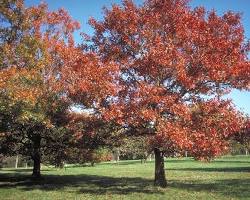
(224, 178)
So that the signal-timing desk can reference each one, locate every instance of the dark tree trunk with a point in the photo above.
(160, 179)
(59, 163)
(37, 166)
(36, 157)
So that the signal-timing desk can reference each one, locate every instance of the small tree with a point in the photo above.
(32, 102)
(243, 136)
(138, 146)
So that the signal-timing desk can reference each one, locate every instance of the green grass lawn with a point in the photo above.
(225, 178)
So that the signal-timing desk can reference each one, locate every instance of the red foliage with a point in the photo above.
(172, 58)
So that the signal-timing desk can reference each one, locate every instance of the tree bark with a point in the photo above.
(117, 157)
(16, 164)
(160, 179)
(36, 157)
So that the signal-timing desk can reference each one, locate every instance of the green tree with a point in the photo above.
(33, 107)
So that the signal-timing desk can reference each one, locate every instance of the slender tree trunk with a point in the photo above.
(117, 156)
(59, 163)
(160, 179)
(150, 157)
(145, 157)
(246, 151)
(36, 157)
(16, 164)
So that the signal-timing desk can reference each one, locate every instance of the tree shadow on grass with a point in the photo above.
(99, 185)
(91, 184)
(232, 188)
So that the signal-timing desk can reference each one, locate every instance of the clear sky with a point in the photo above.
(81, 10)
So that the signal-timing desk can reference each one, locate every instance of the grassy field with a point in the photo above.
(225, 178)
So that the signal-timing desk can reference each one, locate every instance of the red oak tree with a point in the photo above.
(174, 63)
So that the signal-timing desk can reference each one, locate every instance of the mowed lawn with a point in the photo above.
(224, 178)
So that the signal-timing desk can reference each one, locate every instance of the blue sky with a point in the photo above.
(81, 10)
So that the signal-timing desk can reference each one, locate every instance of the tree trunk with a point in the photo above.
(36, 167)
(36, 157)
(16, 164)
(160, 179)
(150, 157)
(117, 156)
(59, 164)
(246, 151)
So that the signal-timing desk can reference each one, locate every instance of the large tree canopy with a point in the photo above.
(175, 64)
